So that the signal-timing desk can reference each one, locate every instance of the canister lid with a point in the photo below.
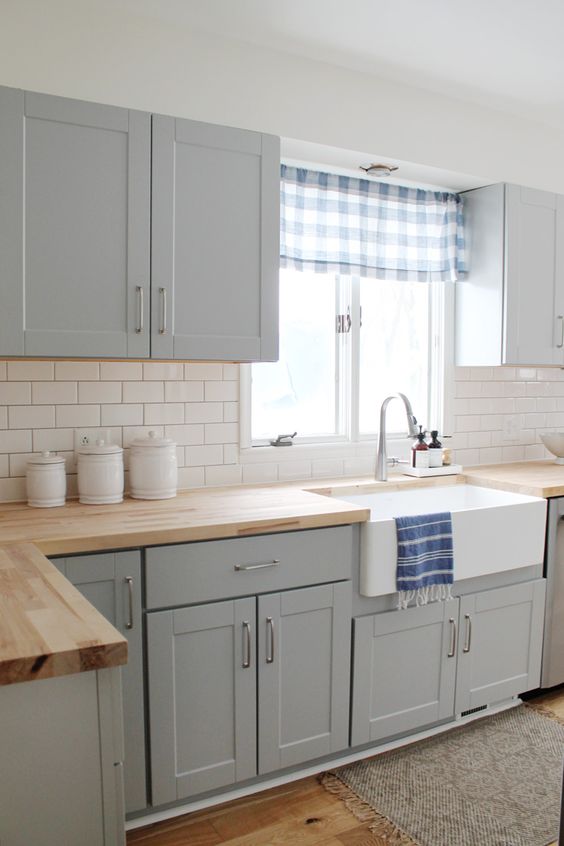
(152, 440)
(99, 448)
(46, 457)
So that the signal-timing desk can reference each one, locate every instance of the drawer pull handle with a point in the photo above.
(452, 649)
(140, 309)
(241, 568)
(246, 644)
(129, 582)
(468, 637)
(163, 328)
(270, 632)
(560, 318)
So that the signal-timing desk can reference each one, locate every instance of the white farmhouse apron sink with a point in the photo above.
(493, 531)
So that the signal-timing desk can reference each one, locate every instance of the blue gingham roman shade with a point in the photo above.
(357, 227)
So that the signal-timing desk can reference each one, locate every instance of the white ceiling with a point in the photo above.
(506, 54)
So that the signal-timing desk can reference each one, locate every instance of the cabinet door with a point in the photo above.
(404, 670)
(304, 674)
(532, 331)
(215, 242)
(202, 696)
(74, 227)
(111, 582)
(499, 644)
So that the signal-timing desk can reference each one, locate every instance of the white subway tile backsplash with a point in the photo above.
(30, 371)
(15, 440)
(121, 415)
(221, 391)
(184, 391)
(224, 475)
(143, 392)
(187, 434)
(121, 371)
(77, 371)
(130, 433)
(291, 470)
(3, 371)
(327, 467)
(4, 465)
(204, 412)
(18, 463)
(15, 393)
(163, 370)
(201, 455)
(53, 393)
(221, 433)
(3, 417)
(230, 453)
(77, 415)
(31, 416)
(231, 412)
(191, 477)
(164, 413)
(99, 392)
(53, 439)
(260, 474)
(12, 490)
(230, 371)
(203, 372)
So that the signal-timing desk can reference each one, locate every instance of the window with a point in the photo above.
(345, 344)
(364, 290)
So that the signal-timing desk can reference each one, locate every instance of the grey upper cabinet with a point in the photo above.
(499, 644)
(202, 695)
(74, 227)
(404, 670)
(215, 242)
(304, 674)
(111, 582)
(510, 307)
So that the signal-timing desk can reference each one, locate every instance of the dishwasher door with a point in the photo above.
(553, 649)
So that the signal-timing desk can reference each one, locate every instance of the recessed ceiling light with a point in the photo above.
(379, 169)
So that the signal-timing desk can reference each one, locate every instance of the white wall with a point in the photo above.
(89, 49)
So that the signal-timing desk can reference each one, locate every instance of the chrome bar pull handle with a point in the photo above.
(129, 582)
(140, 309)
(246, 645)
(560, 317)
(452, 649)
(468, 635)
(242, 568)
(163, 329)
(270, 634)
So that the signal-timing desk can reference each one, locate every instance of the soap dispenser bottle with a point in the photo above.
(420, 452)
(435, 450)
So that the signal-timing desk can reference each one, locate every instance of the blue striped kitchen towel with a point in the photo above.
(425, 558)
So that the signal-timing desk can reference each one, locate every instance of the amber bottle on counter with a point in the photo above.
(420, 451)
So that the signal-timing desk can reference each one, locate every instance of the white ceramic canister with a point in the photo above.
(46, 481)
(100, 473)
(153, 468)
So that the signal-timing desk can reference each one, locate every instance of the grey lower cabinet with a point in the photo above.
(404, 671)
(499, 644)
(274, 667)
(111, 582)
(74, 227)
(215, 241)
(417, 667)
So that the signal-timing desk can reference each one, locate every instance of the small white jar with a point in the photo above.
(153, 468)
(46, 481)
(100, 473)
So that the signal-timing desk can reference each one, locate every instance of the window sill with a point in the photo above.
(397, 447)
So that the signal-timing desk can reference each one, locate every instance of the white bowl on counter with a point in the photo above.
(554, 442)
(153, 468)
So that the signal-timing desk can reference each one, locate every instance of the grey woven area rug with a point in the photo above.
(493, 782)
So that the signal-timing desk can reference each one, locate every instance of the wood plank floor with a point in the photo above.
(297, 814)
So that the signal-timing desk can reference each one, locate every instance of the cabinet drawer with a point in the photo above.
(199, 572)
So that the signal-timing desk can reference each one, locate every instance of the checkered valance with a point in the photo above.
(359, 227)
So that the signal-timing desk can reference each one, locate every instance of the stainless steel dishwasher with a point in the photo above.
(553, 650)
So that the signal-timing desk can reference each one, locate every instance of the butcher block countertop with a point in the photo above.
(47, 628)
(533, 478)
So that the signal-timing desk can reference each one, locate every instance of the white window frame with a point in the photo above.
(351, 443)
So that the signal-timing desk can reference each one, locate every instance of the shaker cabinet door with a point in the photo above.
(404, 670)
(304, 674)
(111, 582)
(215, 242)
(74, 227)
(202, 696)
